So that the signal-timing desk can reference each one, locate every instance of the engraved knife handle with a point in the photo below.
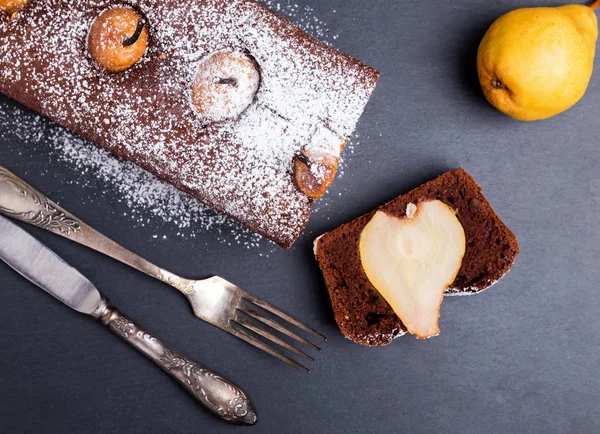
(217, 394)
(21, 201)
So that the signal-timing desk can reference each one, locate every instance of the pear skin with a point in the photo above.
(9, 6)
(586, 21)
(534, 63)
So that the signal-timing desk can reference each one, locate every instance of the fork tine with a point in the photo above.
(273, 324)
(271, 337)
(268, 306)
(266, 348)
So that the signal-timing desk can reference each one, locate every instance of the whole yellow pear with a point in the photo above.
(534, 63)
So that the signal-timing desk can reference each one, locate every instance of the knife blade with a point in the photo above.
(40, 265)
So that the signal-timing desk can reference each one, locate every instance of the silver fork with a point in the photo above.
(214, 300)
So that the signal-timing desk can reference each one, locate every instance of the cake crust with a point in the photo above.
(310, 96)
(360, 312)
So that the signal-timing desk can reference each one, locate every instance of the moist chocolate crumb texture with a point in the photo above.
(361, 313)
(225, 97)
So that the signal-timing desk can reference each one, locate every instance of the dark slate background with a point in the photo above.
(522, 357)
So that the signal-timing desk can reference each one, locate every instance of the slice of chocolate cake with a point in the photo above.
(469, 249)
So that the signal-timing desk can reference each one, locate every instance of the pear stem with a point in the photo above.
(594, 5)
(304, 159)
(138, 32)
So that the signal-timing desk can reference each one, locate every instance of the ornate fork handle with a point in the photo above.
(21, 201)
(220, 396)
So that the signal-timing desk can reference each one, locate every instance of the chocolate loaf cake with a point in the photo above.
(361, 313)
(180, 111)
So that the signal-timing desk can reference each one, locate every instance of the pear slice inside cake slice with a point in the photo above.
(412, 260)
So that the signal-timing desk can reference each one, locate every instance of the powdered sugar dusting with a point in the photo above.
(303, 16)
(148, 197)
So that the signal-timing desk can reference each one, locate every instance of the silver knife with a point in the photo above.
(37, 263)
